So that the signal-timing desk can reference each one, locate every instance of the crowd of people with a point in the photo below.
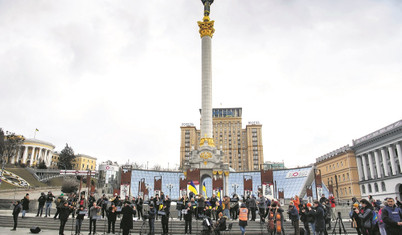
(368, 216)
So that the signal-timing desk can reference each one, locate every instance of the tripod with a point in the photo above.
(339, 219)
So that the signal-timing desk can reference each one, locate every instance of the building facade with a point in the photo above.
(379, 162)
(81, 162)
(108, 176)
(242, 148)
(32, 152)
(339, 172)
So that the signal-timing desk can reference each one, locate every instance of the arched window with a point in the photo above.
(383, 187)
(376, 187)
(363, 189)
(369, 188)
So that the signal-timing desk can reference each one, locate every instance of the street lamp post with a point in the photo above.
(235, 186)
(170, 186)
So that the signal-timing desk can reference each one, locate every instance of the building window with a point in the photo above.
(369, 188)
(347, 175)
(376, 187)
(350, 190)
(343, 177)
(363, 189)
(383, 187)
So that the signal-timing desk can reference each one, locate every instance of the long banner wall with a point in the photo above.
(291, 181)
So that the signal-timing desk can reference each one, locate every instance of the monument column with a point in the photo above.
(365, 167)
(372, 170)
(399, 151)
(360, 167)
(206, 31)
(377, 163)
(392, 160)
(385, 162)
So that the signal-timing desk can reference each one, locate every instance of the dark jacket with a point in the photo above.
(293, 213)
(252, 203)
(17, 209)
(221, 226)
(49, 197)
(139, 203)
(80, 216)
(390, 219)
(189, 215)
(366, 217)
(127, 220)
(64, 212)
(42, 200)
(111, 215)
(25, 203)
(319, 219)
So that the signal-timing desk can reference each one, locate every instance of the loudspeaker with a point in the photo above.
(35, 229)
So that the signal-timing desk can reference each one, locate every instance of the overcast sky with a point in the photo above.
(115, 79)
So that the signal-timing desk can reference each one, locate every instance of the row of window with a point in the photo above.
(332, 167)
(376, 189)
(332, 180)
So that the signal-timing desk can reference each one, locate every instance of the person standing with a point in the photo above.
(243, 212)
(217, 209)
(332, 204)
(93, 216)
(16, 212)
(79, 218)
(366, 215)
(65, 211)
(319, 219)
(261, 207)
(306, 218)
(253, 207)
(354, 215)
(41, 204)
(139, 202)
(111, 218)
(226, 206)
(165, 215)
(91, 201)
(59, 202)
(234, 207)
(213, 201)
(151, 218)
(294, 217)
(25, 204)
(322, 199)
(49, 200)
(392, 217)
(188, 217)
(126, 222)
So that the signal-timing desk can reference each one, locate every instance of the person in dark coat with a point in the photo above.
(49, 200)
(127, 221)
(306, 217)
(16, 212)
(65, 211)
(354, 215)
(151, 218)
(165, 216)
(111, 218)
(217, 209)
(188, 216)
(319, 219)
(139, 202)
(41, 204)
(366, 215)
(294, 217)
(59, 202)
(220, 224)
(25, 204)
(392, 217)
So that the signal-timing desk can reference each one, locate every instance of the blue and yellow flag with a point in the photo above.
(204, 189)
(218, 194)
(192, 188)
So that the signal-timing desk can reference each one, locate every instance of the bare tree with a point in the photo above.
(136, 165)
(157, 167)
(9, 145)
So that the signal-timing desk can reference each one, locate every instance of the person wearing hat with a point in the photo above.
(79, 218)
(41, 204)
(151, 218)
(111, 217)
(64, 211)
(354, 215)
(306, 217)
(25, 205)
(319, 220)
(59, 202)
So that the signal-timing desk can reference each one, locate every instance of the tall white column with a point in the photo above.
(372, 170)
(365, 167)
(206, 112)
(377, 163)
(385, 162)
(359, 167)
(399, 152)
(25, 155)
(392, 159)
(32, 156)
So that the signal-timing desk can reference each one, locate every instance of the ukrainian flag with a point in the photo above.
(204, 189)
(192, 188)
(218, 194)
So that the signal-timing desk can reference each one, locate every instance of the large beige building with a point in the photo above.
(242, 148)
(339, 172)
(80, 162)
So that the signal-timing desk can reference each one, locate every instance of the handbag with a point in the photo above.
(367, 223)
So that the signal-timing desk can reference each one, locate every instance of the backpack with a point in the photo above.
(375, 218)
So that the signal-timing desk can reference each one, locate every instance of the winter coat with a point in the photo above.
(127, 220)
(25, 203)
(319, 219)
(64, 212)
